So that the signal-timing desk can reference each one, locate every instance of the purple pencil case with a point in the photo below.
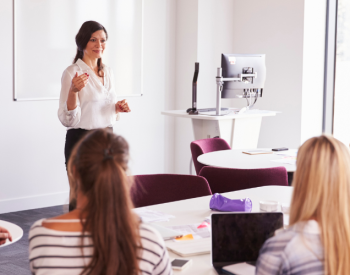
(221, 203)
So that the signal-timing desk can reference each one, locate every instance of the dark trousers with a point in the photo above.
(72, 138)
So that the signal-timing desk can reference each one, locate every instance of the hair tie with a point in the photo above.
(108, 154)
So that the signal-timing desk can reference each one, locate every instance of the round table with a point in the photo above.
(236, 159)
(15, 231)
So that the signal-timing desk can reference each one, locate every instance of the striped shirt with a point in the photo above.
(297, 250)
(58, 252)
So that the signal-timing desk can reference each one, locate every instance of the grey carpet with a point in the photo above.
(14, 257)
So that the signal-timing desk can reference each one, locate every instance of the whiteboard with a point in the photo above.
(44, 43)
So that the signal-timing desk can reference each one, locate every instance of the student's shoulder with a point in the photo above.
(150, 236)
(37, 224)
(280, 241)
(272, 254)
(147, 230)
(36, 228)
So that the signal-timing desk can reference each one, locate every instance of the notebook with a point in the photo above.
(238, 237)
(190, 248)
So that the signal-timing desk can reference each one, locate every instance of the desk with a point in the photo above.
(15, 230)
(197, 209)
(239, 130)
(236, 159)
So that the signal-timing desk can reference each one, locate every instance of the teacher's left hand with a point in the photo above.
(122, 106)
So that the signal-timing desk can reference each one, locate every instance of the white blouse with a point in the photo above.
(96, 102)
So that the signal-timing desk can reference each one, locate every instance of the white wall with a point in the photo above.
(186, 56)
(32, 171)
(272, 27)
(275, 28)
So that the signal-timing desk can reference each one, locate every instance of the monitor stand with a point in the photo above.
(219, 86)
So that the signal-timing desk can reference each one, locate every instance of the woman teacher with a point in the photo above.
(88, 100)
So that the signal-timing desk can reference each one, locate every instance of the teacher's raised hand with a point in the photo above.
(79, 82)
(122, 106)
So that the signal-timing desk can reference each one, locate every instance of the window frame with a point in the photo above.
(330, 66)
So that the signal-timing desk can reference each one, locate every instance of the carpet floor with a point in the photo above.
(14, 257)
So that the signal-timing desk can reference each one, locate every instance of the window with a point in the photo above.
(341, 122)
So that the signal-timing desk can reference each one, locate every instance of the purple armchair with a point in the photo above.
(226, 179)
(202, 146)
(162, 188)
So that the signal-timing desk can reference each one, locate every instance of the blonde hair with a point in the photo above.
(322, 192)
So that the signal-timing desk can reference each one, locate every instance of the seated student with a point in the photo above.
(4, 235)
(102, 235)
(318, 238)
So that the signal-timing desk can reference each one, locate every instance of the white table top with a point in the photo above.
(196, 210)
(249, 113)
(15, 230)
(236, 159)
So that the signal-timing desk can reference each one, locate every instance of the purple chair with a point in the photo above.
(223, 180)
(202, 146)
(162, 188)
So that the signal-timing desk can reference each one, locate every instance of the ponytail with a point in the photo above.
(100, 162)
(79, 55)
(99, 67)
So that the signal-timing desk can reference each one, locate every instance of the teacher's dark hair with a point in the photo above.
(83, 37)
(97, 170)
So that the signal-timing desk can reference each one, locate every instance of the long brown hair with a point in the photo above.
(322, 192)
(83, 37)
(97, 169)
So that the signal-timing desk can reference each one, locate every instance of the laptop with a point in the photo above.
(238, 237)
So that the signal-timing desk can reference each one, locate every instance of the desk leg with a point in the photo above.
(245, 133)
(240, 133)
(205, 128)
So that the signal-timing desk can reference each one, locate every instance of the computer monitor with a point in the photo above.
(234, 65)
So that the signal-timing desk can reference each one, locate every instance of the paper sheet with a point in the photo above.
(207, 219)
(148, 215)
(288, 153)
(197, 233)
(286, 160)
(257, 152)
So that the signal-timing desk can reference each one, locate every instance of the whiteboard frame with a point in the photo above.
(57, 98)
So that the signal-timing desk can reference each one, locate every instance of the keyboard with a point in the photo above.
(211, 109)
